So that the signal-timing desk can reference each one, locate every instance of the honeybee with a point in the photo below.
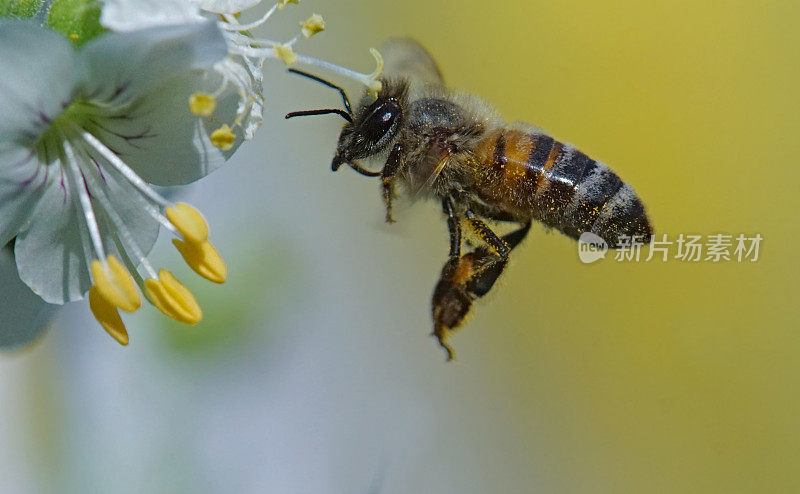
(456, 149)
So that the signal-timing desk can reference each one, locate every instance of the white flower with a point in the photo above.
(83, 135)
(241, 72)
(246, 53)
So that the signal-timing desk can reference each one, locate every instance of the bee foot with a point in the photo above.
(441, 334)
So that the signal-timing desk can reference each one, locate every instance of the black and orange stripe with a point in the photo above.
(531, 175)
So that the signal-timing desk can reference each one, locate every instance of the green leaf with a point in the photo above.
(19, 8)
(78, 20)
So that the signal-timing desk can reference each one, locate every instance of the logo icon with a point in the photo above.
(591, 247)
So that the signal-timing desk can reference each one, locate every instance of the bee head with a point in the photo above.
(368, 131)
(374, 127)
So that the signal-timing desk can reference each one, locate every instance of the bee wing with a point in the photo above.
(404, 57)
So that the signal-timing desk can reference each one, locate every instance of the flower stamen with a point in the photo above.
(202, 104)
(232, 24)
(283, 3)
(204, 259)
(108, 316)
(124, 169)
(123, 236)
(223, 137)
(172, 298)
(313, 25)
(285, 53)
(189, 222)
(115, 284)
(134, 179)
(370, 80)
(74, 177)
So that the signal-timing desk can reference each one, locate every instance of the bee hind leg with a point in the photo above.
(451, 301)
(465, 279)
(497, 244)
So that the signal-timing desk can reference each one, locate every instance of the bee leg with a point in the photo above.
(390, 169)
(465, 279)
(482, 230)
(514, 238)
(356, 166)
(453, 227)
(451, 302)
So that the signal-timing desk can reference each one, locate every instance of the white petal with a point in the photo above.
(226, 6)
(40, 72)
(51, 254)
(163, 141)
(21, 181)
(129, 15)
(123, 67)
(23, 315)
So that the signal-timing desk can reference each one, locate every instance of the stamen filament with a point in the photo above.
(221, 88)
(133, 178)
(232, 24)
(85, 201)
(125, 236)
(369, 80)
(352, 74)
(124, 169)
(251, 42)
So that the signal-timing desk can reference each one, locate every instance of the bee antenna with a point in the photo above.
(324, 111)
(331, 85)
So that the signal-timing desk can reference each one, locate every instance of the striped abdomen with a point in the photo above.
(532, 175)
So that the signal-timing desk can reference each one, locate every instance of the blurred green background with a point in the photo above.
(610, 377)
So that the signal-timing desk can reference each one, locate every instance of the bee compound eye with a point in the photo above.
(381, 121)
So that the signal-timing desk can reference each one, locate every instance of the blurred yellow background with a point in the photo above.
(634, 377)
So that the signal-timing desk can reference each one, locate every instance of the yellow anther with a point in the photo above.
(284, 3)
(374, 86)
(203, 259)
(188, 221)
(74, 36)
(108, 317)
(172, 298)
(115, 284)
(312, 25)
(223, 137)
(202, 104)
(285, 53)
